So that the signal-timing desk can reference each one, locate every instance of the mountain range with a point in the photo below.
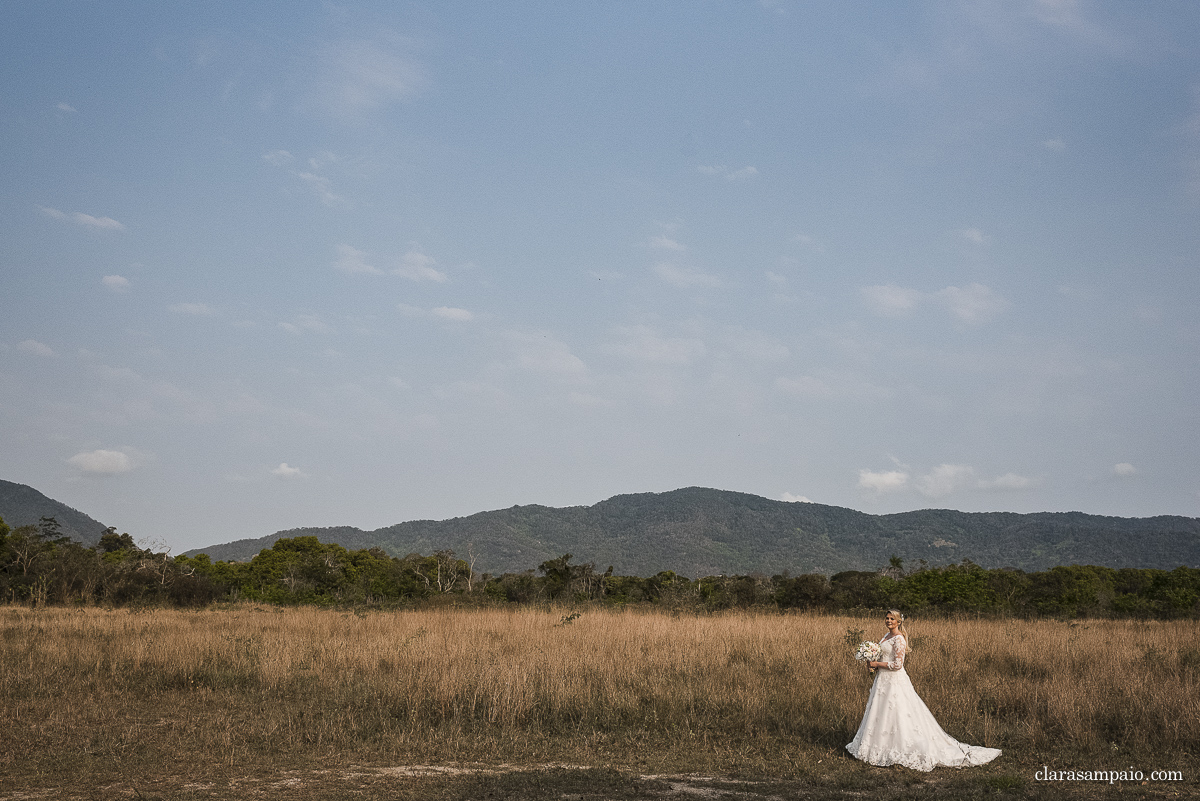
(21, 505)
(698, 532)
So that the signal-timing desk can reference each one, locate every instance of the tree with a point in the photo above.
(112, 542)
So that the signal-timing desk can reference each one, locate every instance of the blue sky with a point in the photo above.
(275, 265)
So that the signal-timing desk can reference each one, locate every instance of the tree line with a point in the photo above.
(39, 565)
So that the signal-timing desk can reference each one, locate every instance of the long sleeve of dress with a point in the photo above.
(899, 647)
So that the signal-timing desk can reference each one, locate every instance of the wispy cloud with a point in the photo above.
(451, 313)
(360, 76)
(540, 352)
(287, 471)
(65, 107)
(944, 480)
(306, 322)
(86, 220)
(890, 300)
(1124, 470)
(278, 158)
(976, 236)
(974, 303)
(741, 174)
(416, 266)
(642, 343)
(684, 277)
(1008, 481)
(106, 462)
(1074, 18)
(35, 348)
(117, 283)
(194, 309)
(353, 261)
(442, 312)
(319, 184)
(883, 481)
(663, 242)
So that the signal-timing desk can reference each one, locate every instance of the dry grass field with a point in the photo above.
(249, 701)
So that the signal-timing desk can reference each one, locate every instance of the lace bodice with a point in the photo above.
(894, 649)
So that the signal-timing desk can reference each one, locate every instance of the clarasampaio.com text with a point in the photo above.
(1045, 774)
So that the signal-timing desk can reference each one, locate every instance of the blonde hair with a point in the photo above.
(903, 631)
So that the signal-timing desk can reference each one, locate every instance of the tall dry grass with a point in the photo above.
(250, 683)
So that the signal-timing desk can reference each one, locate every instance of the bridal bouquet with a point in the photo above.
(868, 652)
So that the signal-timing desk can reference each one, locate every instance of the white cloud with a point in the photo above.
(975, 235)
(684, 277)
(102, 462)
(194, 309)
(1124, 469)
(287, 471)
(663, 242)
(973, 304)
(65, 107)
(320, 185)
(730, 175)
(87, 220)
(1071, 17)
(542, 353)
(890, 300)
(352, 260)
(450, 313)
(1008, 481)
(278, 158)
(883, 481)
(116, 283)
(32, 346)
(416, 266)
(790, 498)
(361, 76)
(1055, 145)
(644, 344)
(944, 479)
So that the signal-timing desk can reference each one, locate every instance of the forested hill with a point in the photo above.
(24, 506)
(701, 532)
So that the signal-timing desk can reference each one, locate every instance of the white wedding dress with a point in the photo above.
(898, 729)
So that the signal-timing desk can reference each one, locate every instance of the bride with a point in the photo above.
(897, 728)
